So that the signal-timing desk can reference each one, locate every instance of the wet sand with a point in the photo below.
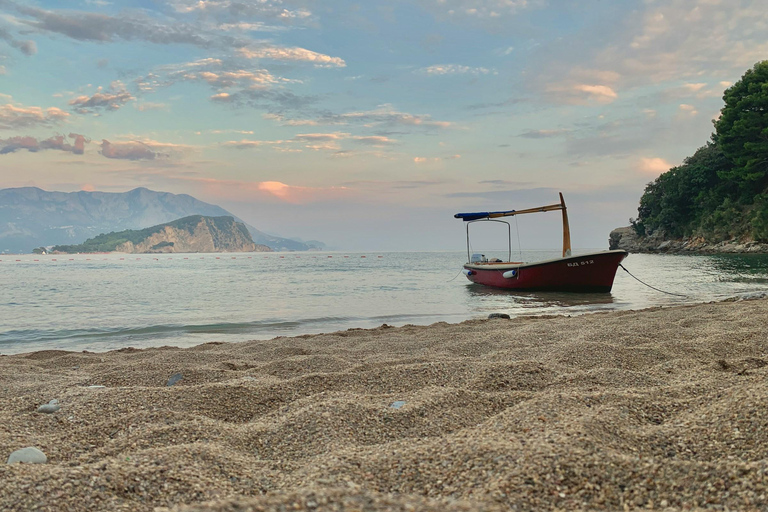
(661, 408)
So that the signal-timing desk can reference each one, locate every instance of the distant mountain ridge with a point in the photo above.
(195, 233)
(31, 217)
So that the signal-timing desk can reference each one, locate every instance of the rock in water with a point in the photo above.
(28, 455)
(50, 407)
(176, 377)
(499, 315)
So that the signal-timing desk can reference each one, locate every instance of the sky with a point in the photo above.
(367, 125)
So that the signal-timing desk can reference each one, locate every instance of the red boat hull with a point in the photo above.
(592, 273)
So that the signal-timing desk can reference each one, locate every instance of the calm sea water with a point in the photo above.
(104, 302)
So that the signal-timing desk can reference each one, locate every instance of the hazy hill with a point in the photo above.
(31, 217)
(195, 233)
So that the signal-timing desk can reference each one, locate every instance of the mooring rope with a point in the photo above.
(649, 286)
(457, 275)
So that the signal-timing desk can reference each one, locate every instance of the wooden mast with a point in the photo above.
(566, 229)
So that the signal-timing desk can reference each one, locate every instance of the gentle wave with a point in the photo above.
(21, 336)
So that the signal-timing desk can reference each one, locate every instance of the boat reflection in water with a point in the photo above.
(488, 299)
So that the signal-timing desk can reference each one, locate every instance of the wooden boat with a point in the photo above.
(592, 272)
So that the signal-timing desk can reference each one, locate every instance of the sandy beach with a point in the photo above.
(661, 408)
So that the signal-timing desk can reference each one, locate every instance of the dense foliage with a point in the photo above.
(108, 242)
(721, 192)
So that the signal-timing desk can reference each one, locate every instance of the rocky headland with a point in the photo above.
(31, 217)
(626, 238)
(195, 233)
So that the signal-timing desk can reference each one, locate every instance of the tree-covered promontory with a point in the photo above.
(721, 191)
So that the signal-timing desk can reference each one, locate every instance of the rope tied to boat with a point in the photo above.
(457, 275)
(649, 286)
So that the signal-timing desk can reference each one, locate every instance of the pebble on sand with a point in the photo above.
(50, 407)
(176, 377)
(29, 455)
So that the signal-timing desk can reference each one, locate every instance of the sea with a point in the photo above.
(100, 302)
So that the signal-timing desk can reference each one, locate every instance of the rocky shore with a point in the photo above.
(626, 238)
(656, 409)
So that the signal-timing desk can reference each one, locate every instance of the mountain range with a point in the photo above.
(31, 217)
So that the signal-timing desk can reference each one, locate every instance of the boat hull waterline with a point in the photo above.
(590, 273)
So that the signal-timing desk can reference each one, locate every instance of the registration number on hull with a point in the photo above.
(580, 263)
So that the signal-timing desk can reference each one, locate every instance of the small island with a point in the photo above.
(195, 233)
(717, 200)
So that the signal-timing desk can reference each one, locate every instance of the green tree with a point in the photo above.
(742, 131)
(677, 200)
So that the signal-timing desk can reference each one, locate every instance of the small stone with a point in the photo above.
(50, 407)
(28, 455)
(176, 377)
(398, 404)
(499, 315)
(96, 387)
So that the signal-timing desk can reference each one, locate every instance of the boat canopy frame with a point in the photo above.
(509, 236)
(492, 216)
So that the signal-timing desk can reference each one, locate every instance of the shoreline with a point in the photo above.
(626, 238)
(662, 407)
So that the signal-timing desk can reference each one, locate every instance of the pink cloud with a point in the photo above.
(292, 54)
(653, 166)
(133, 150)
(249, 190)
(32, 144)
(12, 116)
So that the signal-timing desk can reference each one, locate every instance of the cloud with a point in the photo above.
(32, 144)
(321, 137)
(455, 69)
(292, 54)
(13, 144)
(238, 11)
(543, 134)
(273, 100)
(670, 41)
(275, 190)
(128, 26)
(228, 78)
(13, 117)
(316, 142)
(688, 109)
(133, 150)
(435, 159)
(111, 100)
(27, 47)
(579, 93)
(652, 165)
(251, 144)
(383, 115)
(290, 122)
(374, 140)
(478, 10)
(145, 106)
(601, 93)
(233, 85)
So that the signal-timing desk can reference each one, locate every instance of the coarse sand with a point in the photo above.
(665, 408)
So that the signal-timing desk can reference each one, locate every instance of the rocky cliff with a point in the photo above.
(195, 233)
(626, 238)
